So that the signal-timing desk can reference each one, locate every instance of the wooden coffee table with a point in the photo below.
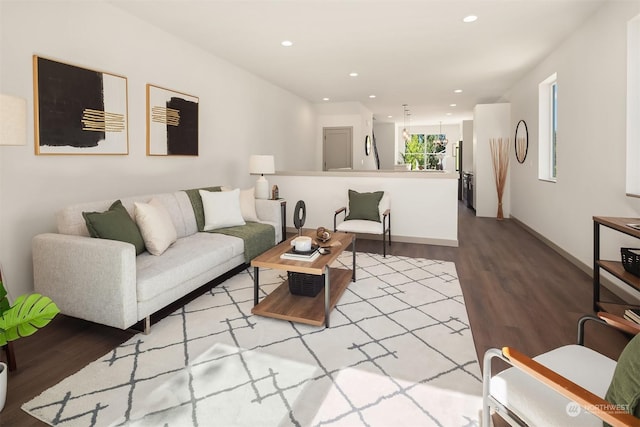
(281, 304)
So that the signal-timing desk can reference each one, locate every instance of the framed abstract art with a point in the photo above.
(78, 110)
(172, 123)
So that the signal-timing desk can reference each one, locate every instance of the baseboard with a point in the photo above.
(604, 281)
(396, 238)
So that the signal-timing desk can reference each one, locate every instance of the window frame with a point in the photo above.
(548, 129)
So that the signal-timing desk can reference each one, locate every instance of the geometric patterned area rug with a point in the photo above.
(399, 352)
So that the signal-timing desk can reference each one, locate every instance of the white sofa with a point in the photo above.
(103, 281)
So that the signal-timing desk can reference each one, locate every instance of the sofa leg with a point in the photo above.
(147, 325)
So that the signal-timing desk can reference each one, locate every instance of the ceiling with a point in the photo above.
(414, 52)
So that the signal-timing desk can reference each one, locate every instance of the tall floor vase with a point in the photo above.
(500, 160)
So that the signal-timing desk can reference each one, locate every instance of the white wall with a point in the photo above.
(467, 145)
(386, 142)
(490, 121)
(424, 206)
(345, 114)
(240, 115)
(591, 68)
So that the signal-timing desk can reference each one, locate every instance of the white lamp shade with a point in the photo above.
(13, 120)
(261, 165)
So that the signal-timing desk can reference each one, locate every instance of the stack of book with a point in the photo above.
(632, 314)
(294, 255)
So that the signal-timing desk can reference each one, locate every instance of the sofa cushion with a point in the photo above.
(248, 204)
(155, 226)
(221, 209)
(114, 224)
(187, 258)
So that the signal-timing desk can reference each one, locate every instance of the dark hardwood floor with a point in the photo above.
(518, 292)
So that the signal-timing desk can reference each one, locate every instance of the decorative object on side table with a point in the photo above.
(275, 193)
(261, 165)
(500, 159)
(28, 314)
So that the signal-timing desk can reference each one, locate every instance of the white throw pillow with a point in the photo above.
(156, 227)
(221, 209)
(248, 204)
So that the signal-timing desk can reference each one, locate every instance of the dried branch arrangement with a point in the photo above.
(500, 158)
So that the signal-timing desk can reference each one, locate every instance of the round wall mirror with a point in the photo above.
(367, 145)
(521, 141)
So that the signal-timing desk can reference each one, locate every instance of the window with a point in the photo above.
(548, 127)
(423, 151)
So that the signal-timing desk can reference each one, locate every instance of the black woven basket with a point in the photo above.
(631, 260)
(308, 285)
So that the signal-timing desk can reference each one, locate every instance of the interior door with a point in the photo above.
(337, 148)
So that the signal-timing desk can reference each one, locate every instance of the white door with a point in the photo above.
(337, 148)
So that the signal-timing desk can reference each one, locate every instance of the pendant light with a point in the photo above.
(444, 141)
(405, 133)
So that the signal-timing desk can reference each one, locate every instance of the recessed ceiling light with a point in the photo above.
(354, 74)
(470, 18)
(457, 91)
(452, 105)
(372, 96)
(388, 117)
(287, 43)
(325, 99)
(449, 114)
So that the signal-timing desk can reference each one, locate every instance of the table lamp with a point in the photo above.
(261, 165)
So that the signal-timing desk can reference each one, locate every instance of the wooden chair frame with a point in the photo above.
(586, 399)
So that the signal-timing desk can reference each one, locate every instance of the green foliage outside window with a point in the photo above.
(421, 151)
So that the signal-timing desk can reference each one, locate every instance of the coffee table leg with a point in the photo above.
(255, 285)
(353, 247)
(327, 296)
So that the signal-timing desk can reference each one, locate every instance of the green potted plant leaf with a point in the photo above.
(25, 317)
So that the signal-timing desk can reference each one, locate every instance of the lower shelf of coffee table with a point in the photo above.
(281, 304)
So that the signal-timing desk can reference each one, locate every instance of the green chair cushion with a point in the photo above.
(364, 205)
(624, 389)
(115, 224)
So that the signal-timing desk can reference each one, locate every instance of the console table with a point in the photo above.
(615, 268)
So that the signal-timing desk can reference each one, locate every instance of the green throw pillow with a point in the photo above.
(624, 389)
(115, 224)
(364, 205)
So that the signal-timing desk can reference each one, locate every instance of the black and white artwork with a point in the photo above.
(79, 111)
(172, 123)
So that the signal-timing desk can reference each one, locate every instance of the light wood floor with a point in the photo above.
(518, 292)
